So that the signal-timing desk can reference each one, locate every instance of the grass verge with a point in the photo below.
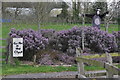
(6, 27)
(24, 69)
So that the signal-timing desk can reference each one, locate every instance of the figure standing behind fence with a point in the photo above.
(96, 18)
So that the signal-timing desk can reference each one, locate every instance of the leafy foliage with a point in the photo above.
(67, 40)
(117, 37)
(47, 33)
(46, 60)
(116, 59)
(32, 41)
(95, 40)
(66, 59)
(99, 41)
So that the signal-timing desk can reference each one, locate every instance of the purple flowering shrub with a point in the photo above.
(45, 60)
(117, 36)
(66, 41)
(99, 41)
(32, 41)
(96, 40)
(66, 59)
(47, 33)
(52, 57)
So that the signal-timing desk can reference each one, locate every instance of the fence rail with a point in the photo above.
(110, 69)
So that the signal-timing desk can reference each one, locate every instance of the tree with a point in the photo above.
(64, 13)
(13, 10)
(42, 10)
(100, 5)
(64, 9)
(76, 11)
(113, 13)
(118, 9)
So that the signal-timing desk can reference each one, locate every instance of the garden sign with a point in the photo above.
(17, 47)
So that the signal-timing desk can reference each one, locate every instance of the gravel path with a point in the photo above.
(43, 75)
(51, 74)
(68, 74)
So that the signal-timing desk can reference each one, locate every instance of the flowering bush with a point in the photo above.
(32, 41)
(95, 39)
(117, 37)
(47, 33)
(65, 58)
(46, 60)
(67, 40)
(99, 41)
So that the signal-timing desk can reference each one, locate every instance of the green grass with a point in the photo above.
(6, 27)
(118, 65)
(24, 69)
(112, 27)
(2, 56)
(4, 43)
(2, 50)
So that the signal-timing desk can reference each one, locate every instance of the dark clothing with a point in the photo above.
(101, 16)
(96, 19)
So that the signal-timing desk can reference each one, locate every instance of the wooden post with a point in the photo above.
(9, 59)
(106, 23)
(109, 73)
(10, 52)
(34, 59)
(80, 63)
(106, 28)
(109, 60)
(83, 23)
